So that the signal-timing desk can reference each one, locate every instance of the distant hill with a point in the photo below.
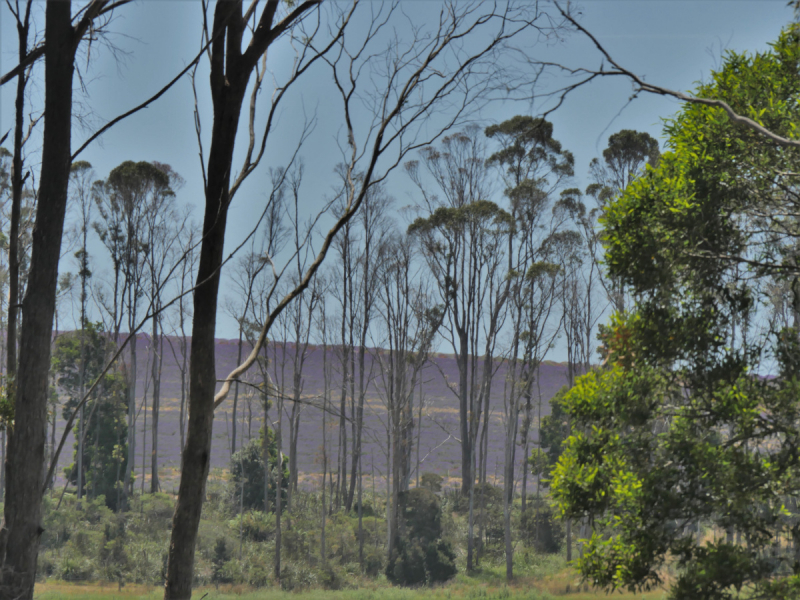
(439, 450)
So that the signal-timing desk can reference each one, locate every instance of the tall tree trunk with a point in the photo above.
(358, 418)
(236, 390)
(184, 368)
(464, 414)
(278, 485)
(156, 374)
(19, 544)
(202, 370)
(131, 464)
(325, 396)
(17, 182)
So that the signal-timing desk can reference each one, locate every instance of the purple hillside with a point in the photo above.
(439, 449)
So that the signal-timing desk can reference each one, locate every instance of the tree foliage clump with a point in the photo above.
(420, 556)
(78, 360)
(683, 427)
(248, 473)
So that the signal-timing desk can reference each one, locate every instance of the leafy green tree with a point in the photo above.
(247, 465)
(105, 429)
(553, 432)
(420, 556)
(681, 428)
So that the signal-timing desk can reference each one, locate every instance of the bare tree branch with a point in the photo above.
(643, 86)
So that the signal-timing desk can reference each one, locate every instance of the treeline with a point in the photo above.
(499, 259)
(522, 262)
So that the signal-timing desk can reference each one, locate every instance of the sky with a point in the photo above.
(673, 43)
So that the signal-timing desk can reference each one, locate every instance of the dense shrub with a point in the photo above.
(542, 529)
(247, 474)
(431, 481)
(297, 577)
(485, 496)
(222, 554)
(420, 515)
(440, 561)
(420, 556)
(255, 525)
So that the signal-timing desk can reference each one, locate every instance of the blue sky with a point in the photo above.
(673, 43)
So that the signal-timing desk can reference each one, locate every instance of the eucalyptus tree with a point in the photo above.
(133, 193)
(180, 316)
(397, 96)
(626, 157)
(249, 271)
(409, 324)
(374, 227)
(163, 225)
(81, 175)
(345, 266)
(22, 16)
(464, 239)
(299, 316)
(533, 165)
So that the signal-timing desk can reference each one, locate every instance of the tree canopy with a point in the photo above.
(684, 453)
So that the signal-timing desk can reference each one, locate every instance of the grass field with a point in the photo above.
(550, 588)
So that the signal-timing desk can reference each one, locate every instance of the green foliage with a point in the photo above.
(553, 432)
(420, 515)
(528, 149)
(247, 467)
(627, 155)
(541, 526)
(677, 430)
(6, 404)
(477, 215)
(222, 555)
(431, 481)
(256, 526)
(106, 431)
(418, 563)
(538, 462)
(420, 556)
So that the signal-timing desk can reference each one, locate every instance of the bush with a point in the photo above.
(247, 466)
(440, 562)
(420, 556)
(542, 529)
(295, 578)
(485, 496)
(222, 555)
(407, 564)
(374, 559)
(256, 526)
(420, 515)
(332, 578)
(431, 481)
(416, 564)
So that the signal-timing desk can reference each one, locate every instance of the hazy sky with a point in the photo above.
(673, 43)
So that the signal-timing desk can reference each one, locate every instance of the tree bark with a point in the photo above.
(227, 93)
(19, 545)
(156, 374)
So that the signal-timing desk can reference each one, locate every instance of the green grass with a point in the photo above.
(460, 589)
